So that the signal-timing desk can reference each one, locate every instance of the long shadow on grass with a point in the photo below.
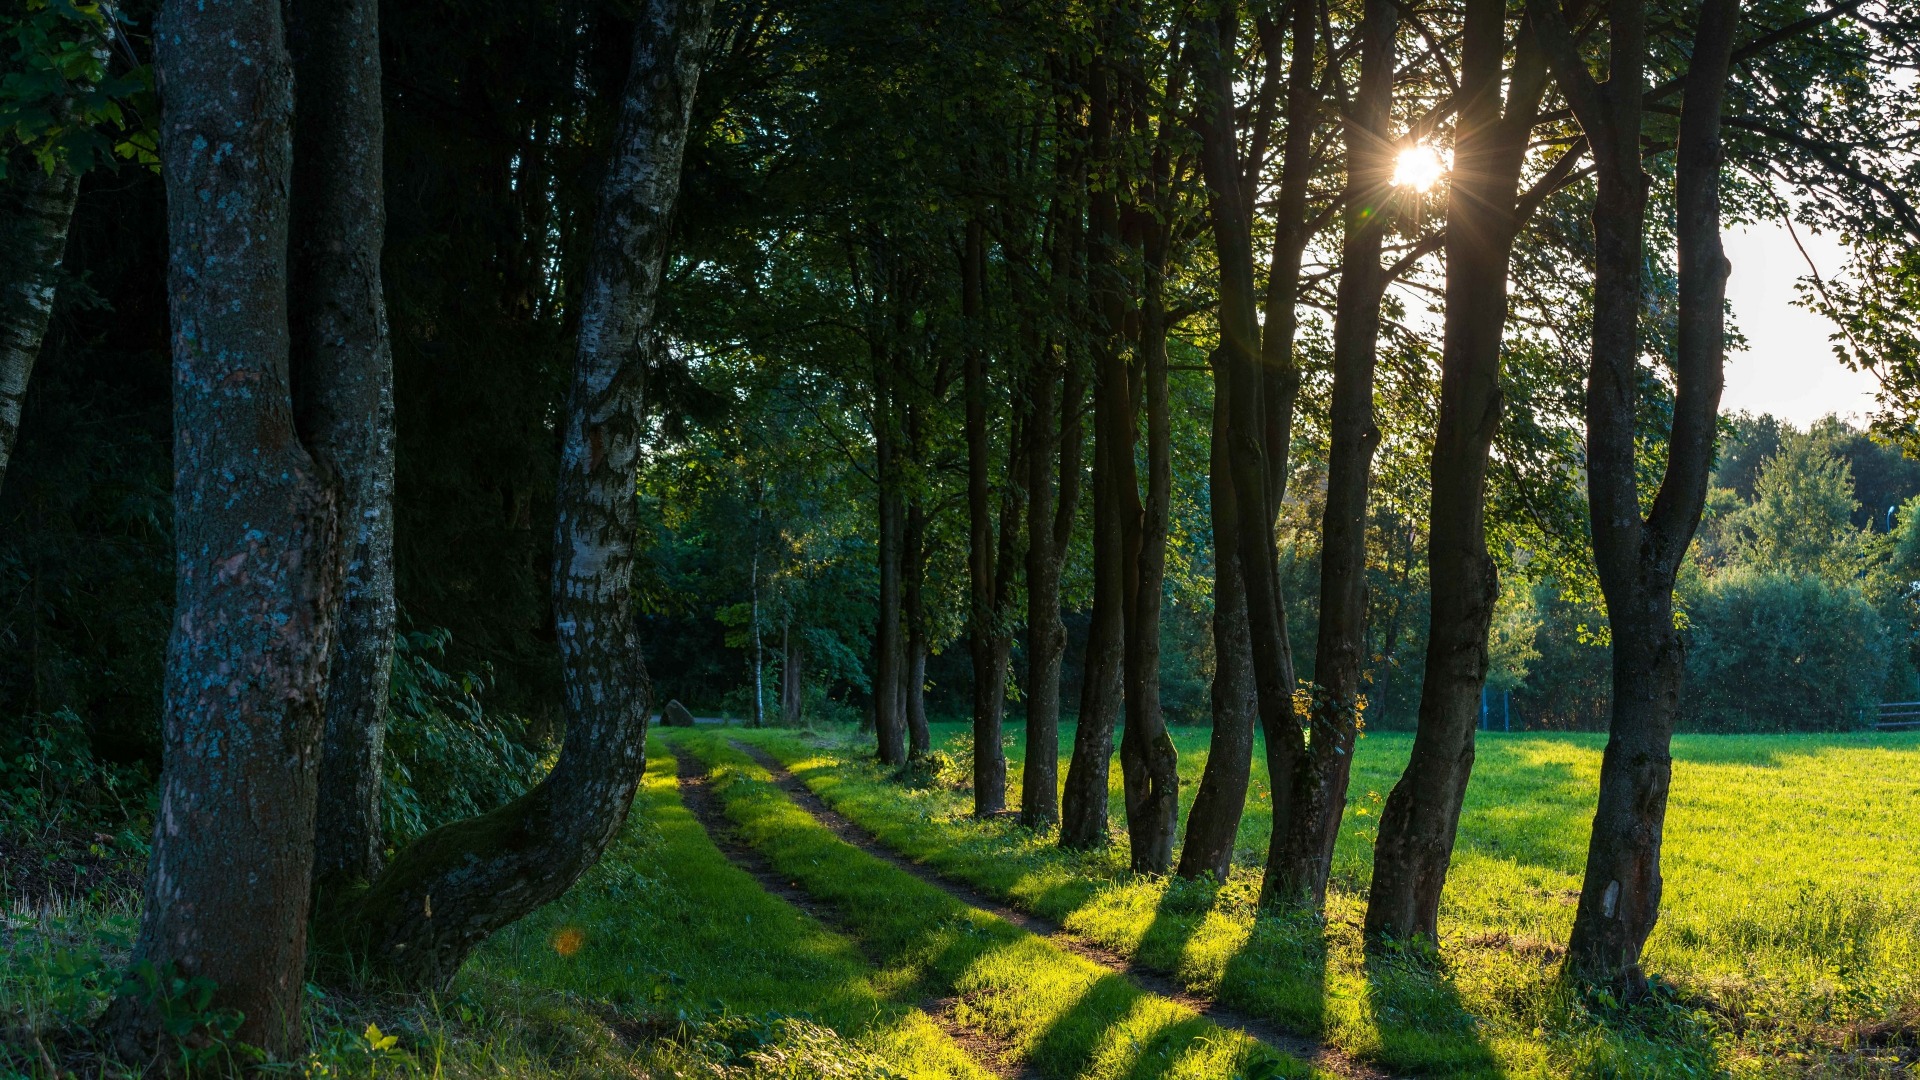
(1419, 1018)
(1280, 972)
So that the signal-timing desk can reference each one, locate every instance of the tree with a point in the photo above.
(343, 399)
(55, 98)
(1800, 521)
(255, 522)
(1484, 217)
(450, 890)
(1638, 554)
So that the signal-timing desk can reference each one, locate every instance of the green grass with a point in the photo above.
(665, 960)
(1058, 1012)
(1790, 932)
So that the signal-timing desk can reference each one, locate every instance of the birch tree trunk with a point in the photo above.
(343, 397)
(457, 885)
(35, 209)
(254, 532)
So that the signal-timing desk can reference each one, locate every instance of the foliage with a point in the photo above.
(1800, 521)
(60, 99)
(447, 757)
(1781, 652)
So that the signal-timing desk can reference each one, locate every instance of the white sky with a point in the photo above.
(1788, 368)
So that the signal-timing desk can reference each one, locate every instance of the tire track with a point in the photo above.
(696, 794)
(1152, 980)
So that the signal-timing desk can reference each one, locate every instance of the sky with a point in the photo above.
(1788, 368)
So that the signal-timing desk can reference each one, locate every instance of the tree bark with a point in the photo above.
(1422, 814)
(1214, 821)
(889, 651)
(1298, 864)
(255, 523)
(913, 617)
(793, 659)
(989, 676)
(343, 395)
(1638, 558)
(1083, 819)
(1148, 763)
(1053, 502)
(444, 895)
(1221, 799)
(36, 208)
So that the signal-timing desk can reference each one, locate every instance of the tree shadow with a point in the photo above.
(1418, 1017)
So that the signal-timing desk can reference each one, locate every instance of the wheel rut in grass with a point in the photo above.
(1152, 980)
(697, 795)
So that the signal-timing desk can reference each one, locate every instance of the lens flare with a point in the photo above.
(568, 939)
(1419, 167)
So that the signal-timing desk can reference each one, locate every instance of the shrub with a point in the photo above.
(447, 757)
(1774, 652)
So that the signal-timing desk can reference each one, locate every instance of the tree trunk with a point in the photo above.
(989, 760)
(35, 209)
(759, 718)
(913, 686)
(1638, 558)
(1422, 814)
(889, 652)
(1214, 821)
(793, 659)
(1083, 821)
(1148, 762)
(1222, 796)
(1051, 510)
(255, 526)
(1298, 864)
(343, 393)
(458, 884)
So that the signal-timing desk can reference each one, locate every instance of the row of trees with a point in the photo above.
(1075, 311)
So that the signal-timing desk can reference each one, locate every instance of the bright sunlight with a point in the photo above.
(1419, 167)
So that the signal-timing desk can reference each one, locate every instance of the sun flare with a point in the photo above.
(1419, 167)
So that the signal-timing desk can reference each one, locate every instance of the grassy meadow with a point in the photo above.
(1789, 943)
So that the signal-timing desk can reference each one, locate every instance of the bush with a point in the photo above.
(1773, 652)
(447, 757)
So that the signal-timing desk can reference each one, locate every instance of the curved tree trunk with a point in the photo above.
(254, 534)
(1222, 796)
(343, 396)
(1639, 557)
(1620, 897)
(35, 209)
(1052, 507)
(444, 895)
(1422, 813)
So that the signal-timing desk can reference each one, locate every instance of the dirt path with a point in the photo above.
(1329, 1058)
(699, 798)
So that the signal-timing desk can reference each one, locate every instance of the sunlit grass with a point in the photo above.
(1791, 927)
(1065, 1015)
